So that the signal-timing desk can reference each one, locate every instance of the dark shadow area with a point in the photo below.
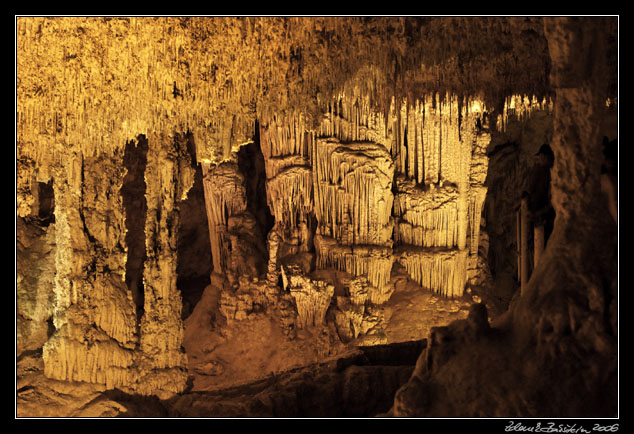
(135, 206)
(251, 165)
(359, 385)
(46, 212)
(194, 251)
(504, 183)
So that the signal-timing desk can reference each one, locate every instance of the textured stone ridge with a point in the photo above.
(93, 313)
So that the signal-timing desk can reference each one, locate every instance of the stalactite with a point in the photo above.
(354, 199)
(476, 203)
(425, 218)
(374, 262)
(521, 108)
(224, 197)
(440, 270)
(287, 146)
(439, 182)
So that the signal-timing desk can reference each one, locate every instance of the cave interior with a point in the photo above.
(244, 217)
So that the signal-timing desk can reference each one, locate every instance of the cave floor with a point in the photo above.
(227, 353)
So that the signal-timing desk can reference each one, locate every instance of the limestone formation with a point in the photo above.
(34, 284)
(236, 244)
(286, 146)
(354, 236)
(359, 313)
(312, 297)
(350, 177)
(370, 143)
(440, 193)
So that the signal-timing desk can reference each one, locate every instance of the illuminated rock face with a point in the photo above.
(98, 337)
(440, 192)
(365, 166)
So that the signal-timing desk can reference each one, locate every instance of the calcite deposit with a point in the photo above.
(207, 205)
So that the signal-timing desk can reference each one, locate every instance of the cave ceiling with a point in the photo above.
(89, 84)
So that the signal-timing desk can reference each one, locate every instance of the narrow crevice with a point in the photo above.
(46, 197)
(135, 206)
(194, 254)
(251, 165)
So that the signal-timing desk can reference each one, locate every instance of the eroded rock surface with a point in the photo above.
(373, 134)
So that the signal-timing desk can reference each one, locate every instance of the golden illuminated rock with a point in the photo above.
(312, 297)
(373, 137)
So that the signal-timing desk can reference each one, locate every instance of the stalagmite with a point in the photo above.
(236, 244)
(312, 297)
(161, 361)
(93, 312)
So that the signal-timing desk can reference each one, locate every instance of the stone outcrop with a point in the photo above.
(249, 297)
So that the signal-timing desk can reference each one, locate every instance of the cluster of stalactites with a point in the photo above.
(522, 107)
(373, 262)
(93, 84)
(287, 145)
(443, 271)
(441, 164)
(353, 192)
(425, 218)
(353, 207)
(290, 196)
(356, 121)
(434, 139)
